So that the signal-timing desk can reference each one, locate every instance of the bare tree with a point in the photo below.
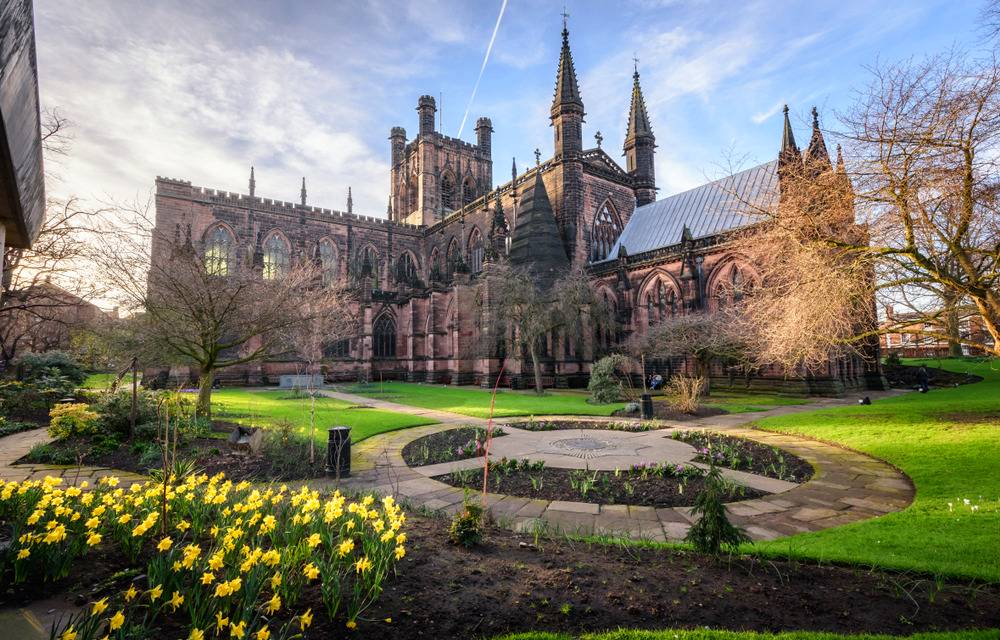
(705, 337)
(211, 317)
(326, 322)
(520, 311)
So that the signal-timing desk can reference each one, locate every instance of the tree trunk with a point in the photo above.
(312, 426)
(204, 409)
(537, 367)
(704, 368)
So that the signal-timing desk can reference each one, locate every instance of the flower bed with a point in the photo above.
(447, 446)
(746, 455)
(657, 485)
(217, 557)
(613, 425)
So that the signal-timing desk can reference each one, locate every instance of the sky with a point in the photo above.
(199, 91)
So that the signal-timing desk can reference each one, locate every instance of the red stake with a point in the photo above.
(489, 436)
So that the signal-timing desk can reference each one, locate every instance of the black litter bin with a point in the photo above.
(338, 452)
(647, 406)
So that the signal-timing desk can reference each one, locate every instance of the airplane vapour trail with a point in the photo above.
(486, 58)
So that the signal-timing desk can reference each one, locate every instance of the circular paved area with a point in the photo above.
(597, 449)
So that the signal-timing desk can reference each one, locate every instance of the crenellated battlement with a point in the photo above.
(167, 187)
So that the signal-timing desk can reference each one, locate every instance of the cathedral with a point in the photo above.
(416, 269)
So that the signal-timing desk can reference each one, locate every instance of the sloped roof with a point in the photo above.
(712, 208)
(535, 243)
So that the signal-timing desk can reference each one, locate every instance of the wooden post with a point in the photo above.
(135, 391)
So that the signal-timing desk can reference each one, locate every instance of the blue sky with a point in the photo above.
(200, 90)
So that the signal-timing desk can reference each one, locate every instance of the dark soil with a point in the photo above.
(275, 462)
(559, 425)
(746, 455)
(906, 376)
(445, 446)
(627, 487)
(509, 585)
(662, 411)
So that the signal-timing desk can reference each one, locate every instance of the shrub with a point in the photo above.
(10, 427)
(48, 454)
(892, 358)
(33, 399)
(72, 419)
(115, 410)
(713, 530)
(684, 393)
(467, 526)
(33, 366)
(609, 378)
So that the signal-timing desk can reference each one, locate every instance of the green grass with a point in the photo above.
(735, 402)
(265, 408)
(948, 442)
(476, 402)
(707, 634)
(103, 380)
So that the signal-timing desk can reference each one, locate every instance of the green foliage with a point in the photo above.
(10, 427)
(72, 419)
(33, 399)
(35, 366)
(892, 358)
(713, 531)
(609, 378)
(48, 454)
(467, 526)
(115, 410)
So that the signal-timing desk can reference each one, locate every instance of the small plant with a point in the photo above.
(713, 530)
(609, 379)
(72, 419)
(684, 393)
(467, 526)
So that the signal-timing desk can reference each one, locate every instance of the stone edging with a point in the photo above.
(847, 487)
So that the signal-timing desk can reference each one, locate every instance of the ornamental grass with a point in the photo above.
(221, 559)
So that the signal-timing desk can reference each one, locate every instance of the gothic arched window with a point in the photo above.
(276, 257)
(468, 191)
(435, 264)
(384, 337)
(406, 270)
(607, 228)
(219, 252)
(454, 257)
(328, 261)
(476, 251)
(738, 282)
(447, 193)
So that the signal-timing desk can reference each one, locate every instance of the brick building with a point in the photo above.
(417, 268)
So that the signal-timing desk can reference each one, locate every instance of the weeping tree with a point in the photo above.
(519, 310)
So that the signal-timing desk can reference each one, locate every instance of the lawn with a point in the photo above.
(476, 402)
(735, 402)
(100, 381)
(707, 634)
(948, 442)
(265, 408)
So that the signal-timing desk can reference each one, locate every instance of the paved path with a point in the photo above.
(847, 486)
(18, 445)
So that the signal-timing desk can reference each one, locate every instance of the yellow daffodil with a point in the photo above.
(274, 604)
(155, 593)
(237, 630)
(116, 621)
(310, 571)
(196, 634)
(352, 625)
(98, 607)
(207, 578)
(400, 552)
(313, 540)
(221, 622)
(305, 619)
(362, 565)
(68, 634)
(276, 580)
(165, 544)
(176, 600)
(23, 553)
(94, 539)
(263, 633)
(131, 593)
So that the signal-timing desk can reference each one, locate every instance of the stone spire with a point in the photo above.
(350, 201)
(789, 154)
(513, 169)
(841, 168)
(567, 106)
(253, 183)
(638, 119)
(303, 192)
(536, 243)
(817, 158)
(388, 209)
(639, 146)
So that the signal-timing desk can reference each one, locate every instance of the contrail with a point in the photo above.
(486, 58)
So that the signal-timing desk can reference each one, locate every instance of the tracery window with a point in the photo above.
(276, 258)
(406, 270)
(219, 252)
(384, 337)
(607, 228)
(476, 251)
(328, 261)
(369, 266)
(447, 193)
(661, 303)
(468, 191)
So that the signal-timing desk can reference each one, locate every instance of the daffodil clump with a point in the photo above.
(231, 561)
